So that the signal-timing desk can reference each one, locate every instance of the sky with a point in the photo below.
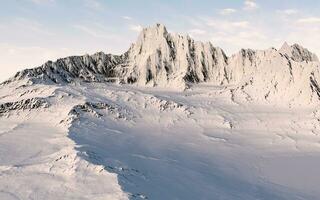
(34, 31)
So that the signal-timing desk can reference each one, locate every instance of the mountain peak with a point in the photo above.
(298, 53)
(157, 30)
(151, 36)
(285, 47)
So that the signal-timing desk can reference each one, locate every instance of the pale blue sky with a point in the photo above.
(34, 31)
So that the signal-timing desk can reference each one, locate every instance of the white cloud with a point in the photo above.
(32, 25)
(136, 28)
(126, 17)
(234, 41)
(97, 30)
(309, 20)
(93, 4)
(240, 24)
(87, 30)
(288, 11)
(42, 1)
(226, 25)
(227, 11)
(231, 35)
(250, 5)
(197, 32)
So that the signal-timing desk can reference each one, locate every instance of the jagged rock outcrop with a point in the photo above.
(162, 59)
(98, 110)
(98, 67)
(25, 104)
(158, 58)
(298, 53)
(275, 77)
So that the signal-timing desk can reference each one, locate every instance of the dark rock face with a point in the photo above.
(298, 53)
(98, 67)
(99, 109)
(26, 104)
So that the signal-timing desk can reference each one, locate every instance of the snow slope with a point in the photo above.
(37, 160)
(130, 142)
(171, 118)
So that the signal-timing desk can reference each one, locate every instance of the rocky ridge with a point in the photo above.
(161, 59)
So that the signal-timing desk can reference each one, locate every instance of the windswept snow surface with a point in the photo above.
(38, 160)
(104, 141)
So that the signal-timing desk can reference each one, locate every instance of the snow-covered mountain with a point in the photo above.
(161, 59)
(171, 118)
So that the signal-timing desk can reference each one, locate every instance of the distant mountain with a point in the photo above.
(162, 59)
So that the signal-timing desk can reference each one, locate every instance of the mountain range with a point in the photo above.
(161, 59)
